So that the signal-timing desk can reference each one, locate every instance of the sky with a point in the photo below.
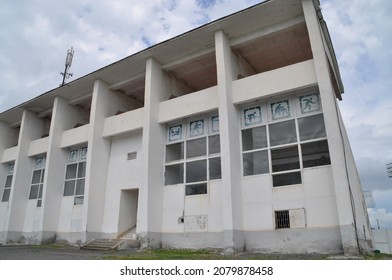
(36, 34)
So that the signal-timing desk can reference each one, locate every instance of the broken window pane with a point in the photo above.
(315, 154)
(255, 163)
(254, 138)
(311, 127)
(285, 159)
(282, 133)
(174, 174)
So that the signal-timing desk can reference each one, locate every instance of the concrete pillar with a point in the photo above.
(104, 104)
(230, 147)
(31, 129)
(64, 117)
(335, 139)
(157, 89)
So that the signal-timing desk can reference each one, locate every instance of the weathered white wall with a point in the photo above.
(123, 123)
(39, 146)
(382, 240)
(123, 174)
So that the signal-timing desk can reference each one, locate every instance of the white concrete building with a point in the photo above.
(228, 136)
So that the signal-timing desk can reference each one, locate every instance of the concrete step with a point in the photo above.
(102, 244)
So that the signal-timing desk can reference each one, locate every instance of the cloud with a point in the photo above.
(380, 218)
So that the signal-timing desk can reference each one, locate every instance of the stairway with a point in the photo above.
(127, 240)
(102, 244)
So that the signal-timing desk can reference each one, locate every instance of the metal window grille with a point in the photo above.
(282, 219)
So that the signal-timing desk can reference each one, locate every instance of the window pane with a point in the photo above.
(254, 138)
(311, 127)
(196, 148)
(78, 200)
(282, 133)
(6, 195)
(42, 175)
(215, 168)
(196, 189)
(196, 171)
(82, 170)
(36, 177)
(286, 179)
(174, 174)
(39, 203)
(214, 144)
(79, 187)
(174, 151)
(71, 171)
(255, 163)
(285, 159)
(41, 186)
(33, 192)
(315, 154)
(69, 188)
(8, 182)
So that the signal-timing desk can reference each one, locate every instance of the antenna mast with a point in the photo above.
(68, 62)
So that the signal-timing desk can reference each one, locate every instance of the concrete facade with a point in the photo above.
(228, 136)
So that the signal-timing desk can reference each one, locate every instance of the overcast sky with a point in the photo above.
(35, 36)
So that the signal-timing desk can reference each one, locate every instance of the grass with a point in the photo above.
(378, 256)
(186, 254)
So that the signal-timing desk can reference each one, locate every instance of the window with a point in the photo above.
(283, 137)
(37, 180)
(193, 154)
(8, 183)
(75, 174)
(282, 219)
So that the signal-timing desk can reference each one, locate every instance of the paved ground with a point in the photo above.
(25, 252)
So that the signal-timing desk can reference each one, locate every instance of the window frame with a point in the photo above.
(295, 115)
(79, 160)
(205, 135)
(6, 194)
(39, 166)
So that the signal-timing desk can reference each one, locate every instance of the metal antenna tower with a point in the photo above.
(68, 62)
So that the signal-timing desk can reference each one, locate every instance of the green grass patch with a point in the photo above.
(378, 256)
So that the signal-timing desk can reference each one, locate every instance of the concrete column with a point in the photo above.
(335, 140)
(157, 89)
(64, 117)
(104, 104)
(31, 129)
(230, 147)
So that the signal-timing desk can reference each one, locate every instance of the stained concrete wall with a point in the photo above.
(382, 240)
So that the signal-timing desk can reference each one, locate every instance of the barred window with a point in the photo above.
(282, 219)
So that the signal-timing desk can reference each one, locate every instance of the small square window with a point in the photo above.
(282, 219)
(34, 192)
(285, 159)
(311, 127)
(78, 200)
(196, 171)
(131, 156)
(175, 152)
(196, 148)
(315, 154)
(214, 144)
(71, 171)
